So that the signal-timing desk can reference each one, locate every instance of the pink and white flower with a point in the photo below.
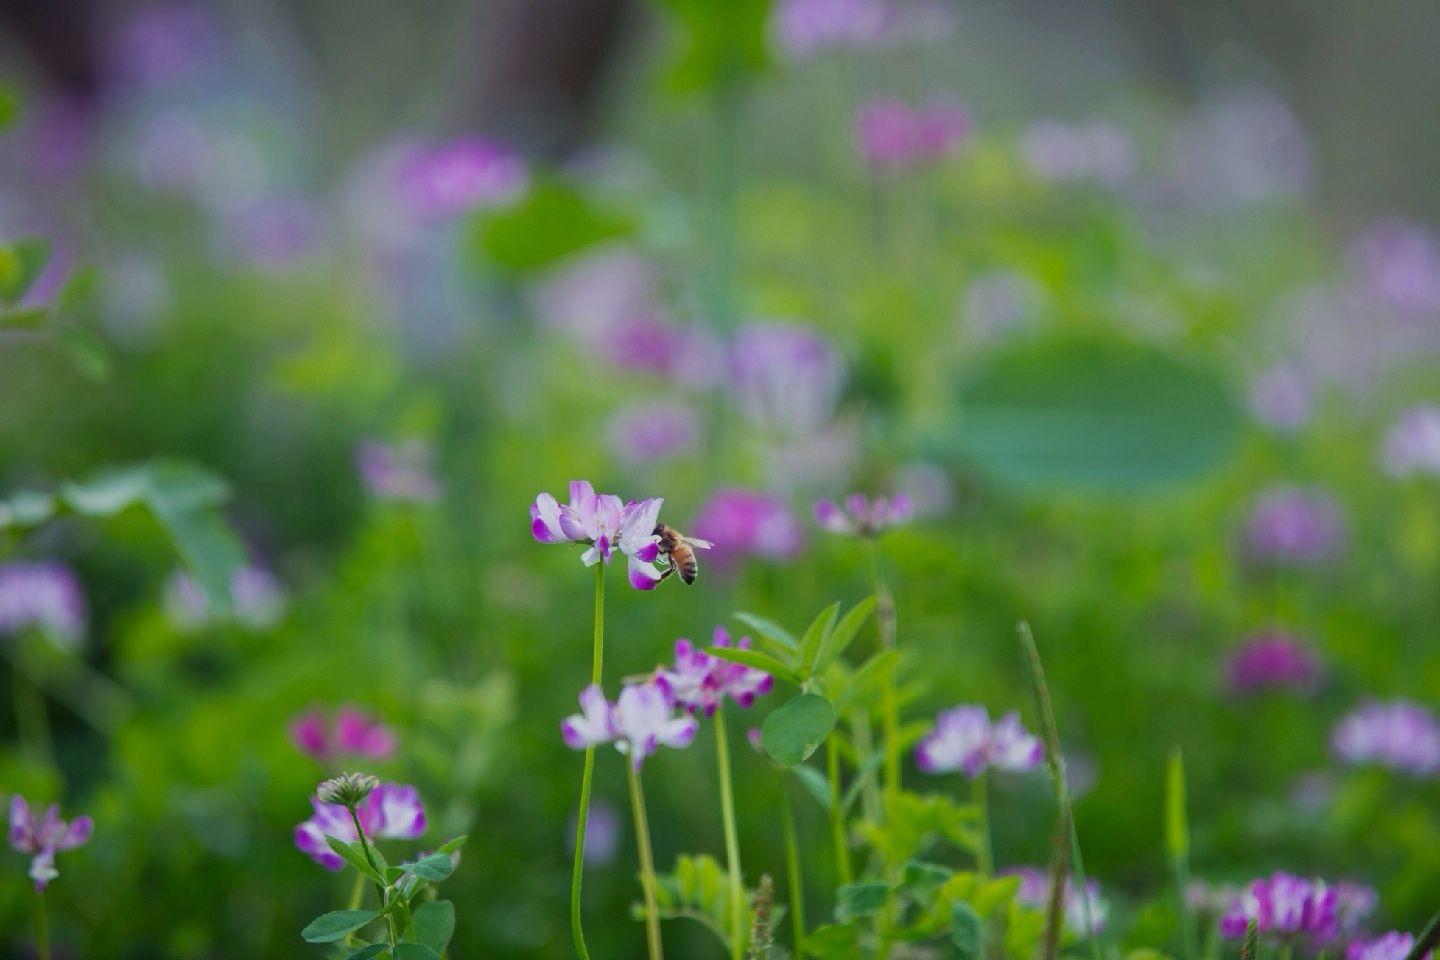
(863, 516)
(353, 733)
(42, 837)
(1284, 905)
(594, 725)
(638, 723)
(699, 681)
(639, 543)
(965, 740)
(392, 811)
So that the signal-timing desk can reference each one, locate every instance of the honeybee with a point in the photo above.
(679, 551)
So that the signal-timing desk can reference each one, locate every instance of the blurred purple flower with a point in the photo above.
(1243, 147)
(447, 180)
(998, 303)
(894, 137)
(256, 599)
(785, 377)
(1034, 892)
(42, 595)
(1390, 946)
(1354, 902)
(862, 516)
(588, 295)
(639, 722)
(402, 471)
(1412, 444)
(965, 739)
(1284, 906)
(1398, 734)
(928, 486)
(744, 523)
(1294, 525)
(1399, 263)
(699, 681)
(391, 811)
(1281, 398)
(1272, 661)
(353, 734)
(602, 834)
(805, 28)
(274, 233)
(650, 432)
(41, 837)
(1096, 150)
(1211, 901)
(162, 44)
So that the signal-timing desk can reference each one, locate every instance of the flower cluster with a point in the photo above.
(748, 523)
(257, 600)
(605, 524)
(1282, 398)
(864, 516)
(44, 596)
(1399, 263)
(1272, 661)
(388, 811)
(447, 180)
(351, 734)
(638, 723)
(1098, 151)
(1285, 906)
(1391, 946)
(1412, 444)
(966, 740)
(894, 137)
(699, 682)
(1398, 734)
(398, 471)
(1294, 525)
(808, 28)
(43, 837)
(1034, 891)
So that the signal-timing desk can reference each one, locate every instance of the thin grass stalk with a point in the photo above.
(1059, 870)
(1428, 940)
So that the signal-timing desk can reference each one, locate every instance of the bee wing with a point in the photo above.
(697, 543)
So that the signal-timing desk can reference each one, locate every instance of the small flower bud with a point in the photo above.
(348, 789)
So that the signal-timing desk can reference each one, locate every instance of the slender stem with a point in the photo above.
(864, 749)
(1286, 949)
(980, 792)
(356, 893)
(792, 868)
(42, 926)
(582, 817)
(889, 707)
(31, 718)
(732, 842)
(837, 816)
(370, 859)
(647, 864)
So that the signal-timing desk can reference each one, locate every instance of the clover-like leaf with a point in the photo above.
(329, 927)
(796, 730)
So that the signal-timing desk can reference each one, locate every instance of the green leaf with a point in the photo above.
(1093, 413)
(723, 41)
(966, 930)
(85, 350)
(1177, 830)
(840, 638)
(856, 900)
(23, 318)
(434, 868)
(353, 855)
(20, 263)
(413, 951)
(451, 846)
(368, 952)
(793, 732)
(868, 674)
(9, 107)
(814, 782)
(770, 633)
(756, 659)
(818, 630)
(862, 773)
(552, 221)
(833, 942)
(919, 880)
(434, 923)
(329, 927)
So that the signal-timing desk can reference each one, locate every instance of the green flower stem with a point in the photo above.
(370, 859)
(837, 816)
(792, 868)
(42, 927)
(582, 817)
(647, 864)
(732, 841)
(889, 702)
(356, 893)
(31, 718)
(984, 857)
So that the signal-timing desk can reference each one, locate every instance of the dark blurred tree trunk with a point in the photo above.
(59, 38)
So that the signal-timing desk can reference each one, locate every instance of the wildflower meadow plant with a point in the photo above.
(41, 837)
(351, 733)
(1398, 734)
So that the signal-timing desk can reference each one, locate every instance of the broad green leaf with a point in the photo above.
(815, 783)
(839, 639)
(20, 263)
(434, 923)
(856, 900)
(966, 930)
(722, 42)
(1093, 413)
(413, 951)
(818, 630)
(1177, 830)
(354, 856)
(451, 846)
(756, 659)
(770, 633)
(793, 732)
(329, 927)
(434, 868)
(85, 350)
(994, 894)
(833, 942)
(552, 221)
(368, 952)
(919, 880)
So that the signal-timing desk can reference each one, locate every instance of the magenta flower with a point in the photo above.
(1294, 525)
(1390, 946)
(806, 28)
(639, 542)
(639, 722)
(1412, 444)
(1399, 263)
(1034, 892)
(42, 595)
(444, 181)
(1096, 150)
(649, 433)
(965, 739)
(863, 516)
(588, 518)
(391, 811)
(744, 523)
(1272, 661)
(398, 471)
(353, 734)
(1281, 398)
(594, 725)
(1353, 903)
(699, 681)
(43, 837)
(1397, 734)
(1284, 906)
(894, 137)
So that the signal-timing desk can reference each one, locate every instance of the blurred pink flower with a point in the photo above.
(1272, 661)
(42, 595)
(1034, 892)
(398, 471)
(785, 376)
(805, 28)
(1412, 444)
(256, 599)
(744, 523)
(895, 137)
(1390, 946)
(352, 734)
(162, 44)
(859, 515)
(966, 739)
(41, 837)
(1283, 905)
(650, 432)
(1095, 150)
(1398, 734)
(1294, 525)
(1399, 263)
(1281, 398)
(446, 180)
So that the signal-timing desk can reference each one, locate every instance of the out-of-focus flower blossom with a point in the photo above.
(744, 523)
(1281, 398)
(594, 725)
(1094, 150)
(863, 516)
(1241, 148)
(1399, 263)
(1284, 906)
(1390, 946)
(1312, 792)
(785, 376)
(998, 303)
(398, 471)
(928, 487)
(1412, 444)
(1398, 734)
(1211, 901)
(588, 295)
(602, 834)
(651, 432)
(353, 734)
(639, 722)
(965, 739)
(274, 233)
(41, 837)
(1034, 891)
(1354, 902)
(698, 682)
(256, 599)
(1294, 525)
(44, 596)
(444, 181)
(805, 28)
(1272, 661)
(391, 811)
(163, 44)
(895, 137)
